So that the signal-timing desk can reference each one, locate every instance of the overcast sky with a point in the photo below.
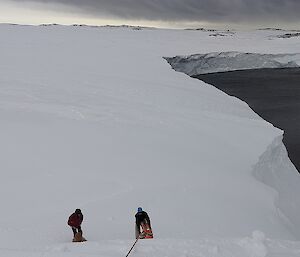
(259, 13)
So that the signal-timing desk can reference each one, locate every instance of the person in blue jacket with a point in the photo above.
(140, 218)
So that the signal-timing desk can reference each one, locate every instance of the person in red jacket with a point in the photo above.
(75, 221)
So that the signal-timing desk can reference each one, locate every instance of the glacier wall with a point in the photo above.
(275, 169)
(229, 61)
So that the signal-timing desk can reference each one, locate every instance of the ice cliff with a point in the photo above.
(228, 61)
(274, 167)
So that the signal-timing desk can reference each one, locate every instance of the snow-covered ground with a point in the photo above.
(95, 118)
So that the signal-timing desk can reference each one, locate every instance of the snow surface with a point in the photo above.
(95, 118)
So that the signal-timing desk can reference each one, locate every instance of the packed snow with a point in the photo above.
(95, 118)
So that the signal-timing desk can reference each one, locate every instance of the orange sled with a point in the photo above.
(147, 231)
(79, 238)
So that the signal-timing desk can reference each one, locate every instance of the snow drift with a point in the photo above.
(94, 118)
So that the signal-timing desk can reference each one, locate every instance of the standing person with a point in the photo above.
(75, 221)
(142, 220)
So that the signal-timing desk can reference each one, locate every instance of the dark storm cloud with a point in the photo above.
(186, 10)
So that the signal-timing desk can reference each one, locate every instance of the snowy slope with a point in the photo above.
(255, 245)
(95, 118)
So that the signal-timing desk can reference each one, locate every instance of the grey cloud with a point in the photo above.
(186, 10)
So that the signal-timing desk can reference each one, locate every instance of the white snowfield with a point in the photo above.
(95, 118)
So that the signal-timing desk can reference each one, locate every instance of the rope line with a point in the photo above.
(132, 246)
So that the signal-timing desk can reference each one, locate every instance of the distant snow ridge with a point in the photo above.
(229, 61)
(289, 35)
(96, 26)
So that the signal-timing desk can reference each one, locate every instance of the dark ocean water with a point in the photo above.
(274, 94)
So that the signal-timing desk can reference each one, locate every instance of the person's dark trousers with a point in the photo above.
(137, 231)
(75, 230)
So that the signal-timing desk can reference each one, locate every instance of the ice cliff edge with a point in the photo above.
(228, 61)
